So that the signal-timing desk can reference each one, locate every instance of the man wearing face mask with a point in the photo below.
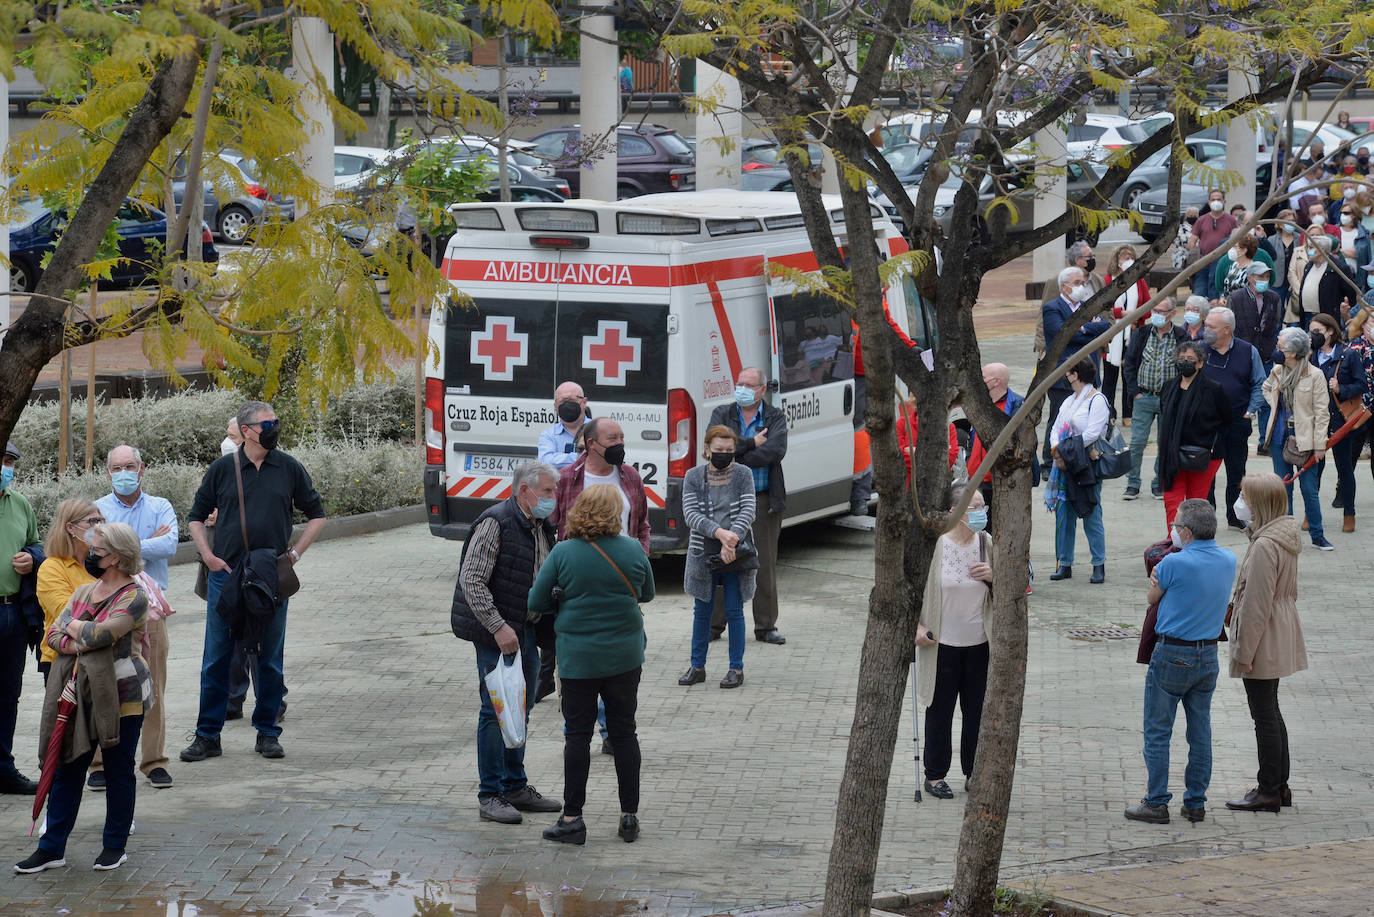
(604, 463)
(501, 557)
(20, 626)
(1079, 255)
(1148, 368)
(273, 485)
(556, 443)
(761, 442)
(232, 438)
(1237, 366)
(1256, 308)
(1213, 228)
(1073, 292)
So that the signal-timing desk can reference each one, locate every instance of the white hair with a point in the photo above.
(1227, 316)
(1067, 274)
(1196, 303)
(1323, 242)
(109, 457)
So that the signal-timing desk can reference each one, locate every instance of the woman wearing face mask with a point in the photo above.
(64, 571)
(1344, 380)
(1123, 257)
(1266, 636)
(1297, 395)
(1354, 238)
(952, 643)
(604, 576)
(1193, 417)
(1362, 345)
(718, 507)
(1083, 416)
(103, 626)
(1230, 270)
(1194, 310)
(1280, 246)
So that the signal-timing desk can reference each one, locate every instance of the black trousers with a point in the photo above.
(621, 696)
(1111, 375)
(1271, 735)
(1236, 440)
(1053, 402)
(961, 673)
(1345, 456)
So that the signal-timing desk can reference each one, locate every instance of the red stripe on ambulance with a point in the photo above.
(457, 488)
(481, 491)
(655, 498)
(727, 334)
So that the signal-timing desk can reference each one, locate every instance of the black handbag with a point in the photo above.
(746, 558)
(1194, 458)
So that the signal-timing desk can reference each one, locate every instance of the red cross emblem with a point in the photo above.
(500, 350)
(611, 352)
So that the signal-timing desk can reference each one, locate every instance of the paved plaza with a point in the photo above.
(373, 810)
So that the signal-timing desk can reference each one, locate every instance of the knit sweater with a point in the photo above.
(696, 512)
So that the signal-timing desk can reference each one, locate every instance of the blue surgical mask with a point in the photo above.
(1369, 280)
(978, 519)
(124, 482)
(1289, 227)
(1158, 320)
(1261, 286)
(744, 396)
(1192, 318)
(6, 477)
(544, 508)
(1311, 253)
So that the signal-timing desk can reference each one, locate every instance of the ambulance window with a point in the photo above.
(502, 348)
(814, 338)
(617, 352)
(920, 314)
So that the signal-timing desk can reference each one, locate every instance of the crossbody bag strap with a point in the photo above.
(634, 595)
(243, 519)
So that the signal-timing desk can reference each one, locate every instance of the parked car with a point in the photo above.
(1151, 205)
(1154, 171)
(34, 232)
(353, 164)
(760, 153)
(233, 217)
(774, 178)
(1100, 136)
(522, 176)
(649, 159)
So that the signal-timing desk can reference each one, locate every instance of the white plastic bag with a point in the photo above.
(506, 687)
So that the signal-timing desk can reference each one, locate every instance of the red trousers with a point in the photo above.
(1187, 486)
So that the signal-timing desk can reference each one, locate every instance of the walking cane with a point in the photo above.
(916, 730)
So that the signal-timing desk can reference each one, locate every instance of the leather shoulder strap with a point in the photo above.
(243, 518)
(634, 595)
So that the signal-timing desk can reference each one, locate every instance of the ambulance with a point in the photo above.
(653, 305)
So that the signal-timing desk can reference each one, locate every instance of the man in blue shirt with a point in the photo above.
(1192, 589)
(556, 443)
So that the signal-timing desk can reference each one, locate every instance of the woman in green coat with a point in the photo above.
(601, 576)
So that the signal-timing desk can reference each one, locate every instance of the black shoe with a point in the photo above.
(281, 714)
(1236, 524)
(269, 747)
(629, 828)
(233, 714)
(770, 636)
(1255, 801)
(39, 861)
(939, 789)
(1099, 574)
(693, 676)
(567, 832)
(1286, 797)
(110, 859)
(201, 748)
(96, 781)
(495, 808)
(606, 747)
(1156, 492)
(733, 679)
(16, 784)
(1155, 815)
(528, 799)
(715, 634)
(1193, 815)
(1262, 450)
(1062, 573)
(159, 778)
(1132, 493)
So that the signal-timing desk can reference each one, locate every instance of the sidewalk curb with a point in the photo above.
(342, 527)
(926, 894)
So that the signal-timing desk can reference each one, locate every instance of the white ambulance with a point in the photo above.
(653, 305)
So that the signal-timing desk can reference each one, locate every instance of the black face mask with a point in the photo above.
(1185, 367)
(1364, 162)
(268, 438)
(722, 460)
(92, 565)
(569, 411)
(1318, 340)
(1278, 356)
(615, 455)
(1191, 220)
(1091, 265)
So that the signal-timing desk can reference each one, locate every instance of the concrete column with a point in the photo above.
(716, 169)
(1241, 153)
(830, 175)
(1050, 203)
(312, 52)
(4, 186)
(600, 90)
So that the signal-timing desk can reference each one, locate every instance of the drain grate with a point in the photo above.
(1111, 632)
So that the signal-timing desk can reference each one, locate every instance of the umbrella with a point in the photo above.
(1355, 420)
(52, 756)
(915, 730)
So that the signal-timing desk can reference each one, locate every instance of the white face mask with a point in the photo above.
(1347, 219)
(1081, 293)
(1174, 537)
(1319, 220)
(1216, 205)
(1243, 510)
(1126, 264)
(1234, 254)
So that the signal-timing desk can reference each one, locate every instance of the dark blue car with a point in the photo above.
(35, 229)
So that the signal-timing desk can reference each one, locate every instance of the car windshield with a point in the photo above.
(907, 157)
(25, 212)
(674, 144)
(1133, 133)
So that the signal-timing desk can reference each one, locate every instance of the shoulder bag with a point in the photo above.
(634, 595)
(288, 584)
(1111, 455)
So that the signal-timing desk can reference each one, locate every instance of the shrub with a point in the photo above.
(381, 411)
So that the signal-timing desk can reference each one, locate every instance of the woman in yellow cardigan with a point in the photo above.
(64, 570)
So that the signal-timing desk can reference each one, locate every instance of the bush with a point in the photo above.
(381, 411)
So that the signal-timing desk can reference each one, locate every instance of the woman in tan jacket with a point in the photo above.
(1297, 395)
(1266, 636)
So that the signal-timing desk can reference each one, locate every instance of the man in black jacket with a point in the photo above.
(761, 430)
(500, 559)
(1152, 350)
(1257, 309)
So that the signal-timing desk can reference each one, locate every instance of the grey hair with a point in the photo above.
(1322, 241)
(122, 543)
(1199, 303)
(763, 376)
(1066, 275)
(1075, 252)
(248, 414)
(109, 457)
(1296, 342)
(1226, 314)
(1198, 517)
(530, 473)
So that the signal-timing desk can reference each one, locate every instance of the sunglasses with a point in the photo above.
(266, 426)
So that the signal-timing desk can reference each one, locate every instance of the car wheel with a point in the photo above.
(23, 278)
(235, 223)
(1132, 194)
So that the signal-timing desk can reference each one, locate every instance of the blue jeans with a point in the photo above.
(214, 667)
(1309, 484)
(501, 770)
(14, 642)
(734, 619)
(1143, 414)
(1066, 530)
(1187, 674)
(69, 783)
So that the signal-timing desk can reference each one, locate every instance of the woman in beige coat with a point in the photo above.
(1266, 636)
(1298, 410)
(952, 643)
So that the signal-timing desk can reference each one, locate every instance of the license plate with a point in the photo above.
(493, 464)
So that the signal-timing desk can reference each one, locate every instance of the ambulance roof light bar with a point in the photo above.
(656, 224)
(556, 219)
(485, 218)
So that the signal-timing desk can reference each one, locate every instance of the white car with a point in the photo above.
(1100, 136)
(353, 164)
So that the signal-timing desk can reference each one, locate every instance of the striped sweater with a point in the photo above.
(696, 512)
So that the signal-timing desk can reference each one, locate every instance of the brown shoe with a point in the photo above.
(1349, 524)
(1304, 524)
(1255, 801)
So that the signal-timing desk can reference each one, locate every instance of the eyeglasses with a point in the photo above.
(92, 520)
(266, 426)
(131, 466)
(97, 553)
